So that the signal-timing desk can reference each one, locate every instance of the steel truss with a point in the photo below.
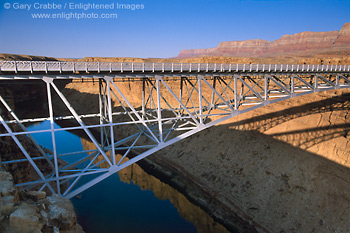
(172, 107)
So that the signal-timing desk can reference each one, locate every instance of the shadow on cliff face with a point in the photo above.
(250, 176)
(303, 137)
(267, 121)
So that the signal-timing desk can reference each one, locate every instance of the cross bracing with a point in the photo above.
(168, 103)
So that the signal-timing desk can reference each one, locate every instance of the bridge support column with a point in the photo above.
(112, 151)
(236, 91)
(200, 96)
(266, 90)
(159, 109)
(48, 81)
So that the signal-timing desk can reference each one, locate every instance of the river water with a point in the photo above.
(131, 200)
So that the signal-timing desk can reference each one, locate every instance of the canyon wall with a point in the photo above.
(299, 44)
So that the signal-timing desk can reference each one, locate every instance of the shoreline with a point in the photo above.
(194, 190)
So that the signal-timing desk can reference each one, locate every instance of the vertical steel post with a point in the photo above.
(212, 93)
(200, 77)
(143, 98)
(181, 90)
(159, 109)
(337, 81)
(53, 138)
(110, 119)
(266, 90)
(316, 82)
(235, 91)
(100, 86)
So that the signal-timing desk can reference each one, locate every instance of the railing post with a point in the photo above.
(60, 66)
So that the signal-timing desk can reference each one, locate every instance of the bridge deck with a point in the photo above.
(122, 68)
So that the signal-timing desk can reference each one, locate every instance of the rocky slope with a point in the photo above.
(29, 212)
(299, 44)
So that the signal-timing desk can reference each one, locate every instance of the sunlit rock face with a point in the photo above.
(304, 43)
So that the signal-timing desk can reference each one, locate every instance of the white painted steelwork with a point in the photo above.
(177, 100)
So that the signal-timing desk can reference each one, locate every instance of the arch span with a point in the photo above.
(140, 111)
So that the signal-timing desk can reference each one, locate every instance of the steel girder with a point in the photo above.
(160, 111)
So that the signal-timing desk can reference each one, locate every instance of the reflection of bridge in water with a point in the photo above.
(172, 102)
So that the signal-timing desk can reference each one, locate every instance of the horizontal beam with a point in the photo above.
(68, 70)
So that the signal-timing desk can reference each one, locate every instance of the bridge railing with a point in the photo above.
(58, 66)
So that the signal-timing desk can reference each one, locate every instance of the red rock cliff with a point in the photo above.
(309, 43)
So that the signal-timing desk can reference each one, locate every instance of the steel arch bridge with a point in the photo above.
(170, 102)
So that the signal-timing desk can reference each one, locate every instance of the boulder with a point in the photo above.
(8, 194)
(60, 212)
(26, 219)
(32, 195)
(7, 204)
(6, 184)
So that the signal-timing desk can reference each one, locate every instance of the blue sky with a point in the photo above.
(162, 28)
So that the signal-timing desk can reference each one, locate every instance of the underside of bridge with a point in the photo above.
(170, 104)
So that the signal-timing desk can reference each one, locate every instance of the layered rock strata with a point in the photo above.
(304, 43)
